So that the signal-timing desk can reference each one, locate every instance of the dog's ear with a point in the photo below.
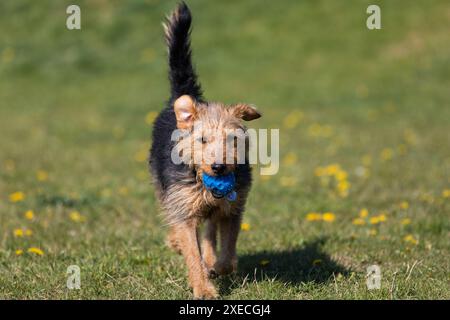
(185, 111)
(245, 112)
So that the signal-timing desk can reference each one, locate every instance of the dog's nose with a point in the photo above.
(218, 168)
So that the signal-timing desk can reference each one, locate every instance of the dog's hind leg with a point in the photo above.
(209, 245)
(229, 231)
(186, 233)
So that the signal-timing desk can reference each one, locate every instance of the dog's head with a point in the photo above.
(214, 138)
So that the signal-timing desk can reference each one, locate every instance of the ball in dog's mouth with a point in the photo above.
(219, 186)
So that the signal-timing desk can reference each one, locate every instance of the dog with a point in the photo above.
(185, 201)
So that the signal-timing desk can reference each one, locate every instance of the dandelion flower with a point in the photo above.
(313, 216)
(28, 232)
(245, 226)
(410, 239)
(36, 251)
(17, 196)
(363, 213)
(446, 193)
(18, 233)
(29, 215)
(76, 216)
(404, 205)
(290, 159)
(141, 156)
(328, 217)
(358, 222)
(382, 217)
(19, 252)
(386, 154)
(374, 220)
(406, 221)
(292, 119)
(150, 117)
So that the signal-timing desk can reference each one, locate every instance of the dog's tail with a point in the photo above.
(182, 76)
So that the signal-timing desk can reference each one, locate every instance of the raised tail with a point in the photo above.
(182, 76)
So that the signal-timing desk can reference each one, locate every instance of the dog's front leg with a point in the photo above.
(229, 231)
(189, 245)
(209, 245)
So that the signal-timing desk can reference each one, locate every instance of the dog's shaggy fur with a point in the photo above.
(184, 200)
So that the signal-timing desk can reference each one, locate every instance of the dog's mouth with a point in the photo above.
(216, 195)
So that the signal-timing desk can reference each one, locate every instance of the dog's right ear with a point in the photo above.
(185, 111)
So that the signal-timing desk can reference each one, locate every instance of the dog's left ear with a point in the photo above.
(245, 112)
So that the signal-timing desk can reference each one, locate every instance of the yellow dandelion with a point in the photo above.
(358, 222)
(446, 193)
(29, 215)
(363, 213)
(141, 156)
(36, 251)
(245, 226)
(328, 217)
(292, 119)
(341, 175)
(410, 239)
(76, 216)
(317, 262)
(382, 217)
(386, 154)
(406, 221)
(404, 205)
(290, 159)
(41, 175)
(264, 262)
(374, 220)
(17, 196)
(332, 169)
(18, 233)
(19, 252)
(28, 232)
(313, 216)
(150, 117)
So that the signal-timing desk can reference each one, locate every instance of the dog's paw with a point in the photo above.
(225, 267)
(205, 291)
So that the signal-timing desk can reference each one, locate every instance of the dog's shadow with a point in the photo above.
(302, 264)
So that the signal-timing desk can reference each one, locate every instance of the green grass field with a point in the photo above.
(364, 124)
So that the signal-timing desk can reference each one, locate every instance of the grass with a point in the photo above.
(74, 138)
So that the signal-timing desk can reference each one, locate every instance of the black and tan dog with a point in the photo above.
(183, 197)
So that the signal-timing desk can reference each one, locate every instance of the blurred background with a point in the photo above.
(364, 142)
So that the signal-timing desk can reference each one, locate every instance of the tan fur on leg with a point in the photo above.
(229, 231)
(209, 244)
(187, 234)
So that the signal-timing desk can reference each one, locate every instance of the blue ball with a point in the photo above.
(220, 185)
